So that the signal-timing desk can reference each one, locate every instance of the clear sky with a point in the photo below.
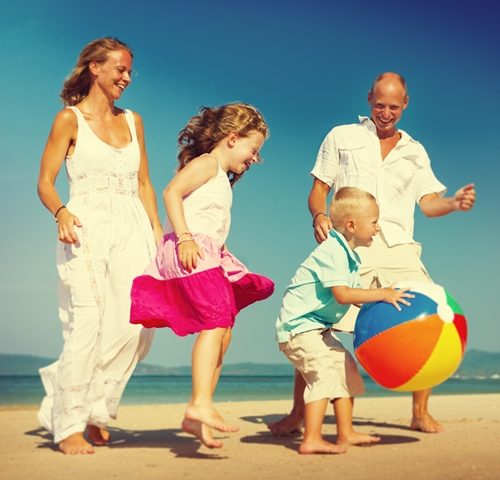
(308, 66)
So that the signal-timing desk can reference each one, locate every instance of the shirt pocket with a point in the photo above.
(401, 174)
(354, 162)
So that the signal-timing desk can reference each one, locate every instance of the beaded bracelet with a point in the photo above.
(190, 239)
(315, 216)
(58, 210)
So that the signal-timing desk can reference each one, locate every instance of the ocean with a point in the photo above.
(156, 389)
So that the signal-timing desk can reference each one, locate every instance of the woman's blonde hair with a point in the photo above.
(346, 202)
(205, 130)
(76, 87)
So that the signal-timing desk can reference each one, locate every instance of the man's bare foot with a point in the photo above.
(321, 446)
(201, 432)
(210, 417)
(426, 424)
(356, 438)
(97, 435)
(75, 444)
(288, 425)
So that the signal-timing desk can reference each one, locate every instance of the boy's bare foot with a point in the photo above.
(288, 425)
(201, 432)
(75, 444)
(210, 417)
(426, 424)
(97, 435)
(356, 438)
(321, 446)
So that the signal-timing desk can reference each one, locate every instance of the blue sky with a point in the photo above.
(308, 66)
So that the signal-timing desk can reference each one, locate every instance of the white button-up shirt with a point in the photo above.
(350, 156)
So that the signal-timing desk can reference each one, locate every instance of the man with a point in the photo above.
(376, 156)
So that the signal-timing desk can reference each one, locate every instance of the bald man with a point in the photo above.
(376, 156)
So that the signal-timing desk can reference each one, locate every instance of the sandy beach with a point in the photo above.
(148, 444)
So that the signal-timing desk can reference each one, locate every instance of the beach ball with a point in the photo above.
(415, 348)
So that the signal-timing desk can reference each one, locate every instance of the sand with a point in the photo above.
(148, 444)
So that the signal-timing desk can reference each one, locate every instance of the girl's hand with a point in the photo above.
(188, 253)
(66, 223)
(395, 297)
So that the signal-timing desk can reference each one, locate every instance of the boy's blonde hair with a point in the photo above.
(346, 202)
(205, 130)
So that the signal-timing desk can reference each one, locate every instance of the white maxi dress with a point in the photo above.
(101, 348)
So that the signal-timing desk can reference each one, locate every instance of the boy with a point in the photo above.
(323, 288)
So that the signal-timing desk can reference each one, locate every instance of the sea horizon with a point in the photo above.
(171, 389)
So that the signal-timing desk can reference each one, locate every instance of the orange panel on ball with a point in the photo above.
(395, 355)
(442, 363)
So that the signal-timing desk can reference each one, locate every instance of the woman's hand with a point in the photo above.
(66, 223)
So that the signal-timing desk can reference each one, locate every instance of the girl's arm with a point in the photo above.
(146, 190)
(197, 172)
(346, 295)
(62, 136)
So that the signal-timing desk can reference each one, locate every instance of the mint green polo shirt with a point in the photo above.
(308, 302)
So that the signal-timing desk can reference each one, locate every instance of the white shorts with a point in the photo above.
(326, 366)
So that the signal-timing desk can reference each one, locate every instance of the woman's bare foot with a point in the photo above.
(97, 435)
(210, 417)
(321, 446)
(288, 425)
(201, 432)
(75, 444)
(426, 424)
(356, 438)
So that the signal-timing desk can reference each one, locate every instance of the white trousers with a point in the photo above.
(101, 348)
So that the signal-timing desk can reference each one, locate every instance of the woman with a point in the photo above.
(107, 236)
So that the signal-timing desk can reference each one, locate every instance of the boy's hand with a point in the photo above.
(391, 295)
(188, 253)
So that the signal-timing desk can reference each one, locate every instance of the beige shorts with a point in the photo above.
(326, 366)
(382, 266)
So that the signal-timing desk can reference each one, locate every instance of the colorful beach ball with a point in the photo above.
(415, 348)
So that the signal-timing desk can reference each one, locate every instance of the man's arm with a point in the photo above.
(317, 206)
(434, 205)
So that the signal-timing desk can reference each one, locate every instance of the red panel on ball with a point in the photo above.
(461, 326)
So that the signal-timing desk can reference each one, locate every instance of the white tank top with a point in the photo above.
(97, 167)
(207, 209)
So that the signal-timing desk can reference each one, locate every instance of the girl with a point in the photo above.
(195, 285)
(105, 240)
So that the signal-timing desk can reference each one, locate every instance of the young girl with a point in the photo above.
(195, 285)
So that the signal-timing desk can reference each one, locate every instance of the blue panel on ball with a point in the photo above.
(374, 318)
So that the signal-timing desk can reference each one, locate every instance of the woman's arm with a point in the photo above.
(146, 190)
(61, 138)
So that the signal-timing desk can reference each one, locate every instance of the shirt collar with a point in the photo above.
(354, 260)
(368, 123)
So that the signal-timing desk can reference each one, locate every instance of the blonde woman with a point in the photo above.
(106, 236)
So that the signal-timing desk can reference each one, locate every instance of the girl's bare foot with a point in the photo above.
(201, 432)
(75, 444)
(426, 424)
(288, 425)
(210, 417)
(320, 446)
(97, 435)
(356, 438)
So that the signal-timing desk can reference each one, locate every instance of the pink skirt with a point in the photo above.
(208, 297)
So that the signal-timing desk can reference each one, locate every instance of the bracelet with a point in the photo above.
(58, 210)
(182, 234)
(315, 216)
(191, 239)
